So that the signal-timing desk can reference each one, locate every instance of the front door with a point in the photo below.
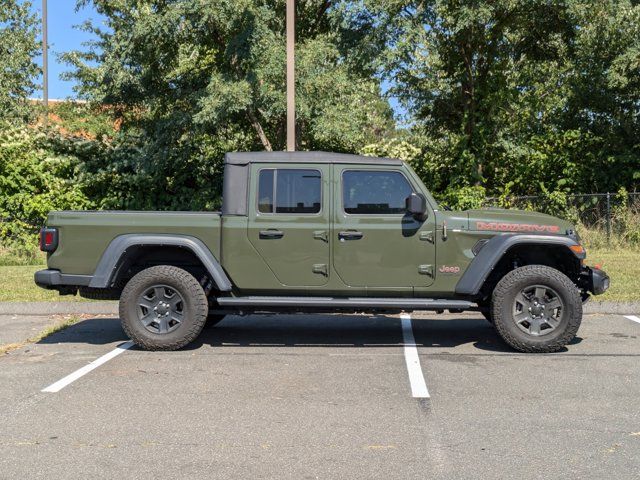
(376, 243)
(289, 221)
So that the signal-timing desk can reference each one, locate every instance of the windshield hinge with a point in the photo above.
(321, 268)
(426, 236)
(425, 270)
(321, 235)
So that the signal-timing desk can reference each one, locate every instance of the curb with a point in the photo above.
(59, 308)
(111, 308)
(615, 308)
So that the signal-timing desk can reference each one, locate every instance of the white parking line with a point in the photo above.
(633, 318)
(60, 384)
(418, 385)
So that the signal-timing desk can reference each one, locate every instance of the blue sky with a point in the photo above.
(62, 38)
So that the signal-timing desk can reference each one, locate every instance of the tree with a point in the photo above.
(18, 47)
(462, 68)
(516, 95)
(194, 79)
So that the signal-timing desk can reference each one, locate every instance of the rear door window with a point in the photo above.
(290, 191)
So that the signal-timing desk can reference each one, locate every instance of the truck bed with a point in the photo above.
(85, 235)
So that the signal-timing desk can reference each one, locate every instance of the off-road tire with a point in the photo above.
(485, 310)
(503, 299)
(486, 313)
(214, 319)
(195, 308)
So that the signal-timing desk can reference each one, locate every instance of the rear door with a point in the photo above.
(376, 243)
(289, 221)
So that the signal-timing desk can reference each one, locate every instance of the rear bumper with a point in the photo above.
(595, 280)
(52, 279)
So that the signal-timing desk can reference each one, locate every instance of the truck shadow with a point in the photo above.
(355, 331)
(92, 331)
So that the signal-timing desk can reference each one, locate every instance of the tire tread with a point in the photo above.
(502, 291)
(193, 289)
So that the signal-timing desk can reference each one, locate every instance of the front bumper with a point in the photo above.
(594, 280)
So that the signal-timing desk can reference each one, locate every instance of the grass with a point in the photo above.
(10, 258)
(50, 330)
(17, 285)
(623, 266)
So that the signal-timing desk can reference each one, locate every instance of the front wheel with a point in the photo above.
(536, 309)
(163, 308)
(214, 319)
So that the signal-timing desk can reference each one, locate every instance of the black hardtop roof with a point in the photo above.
(244, 158)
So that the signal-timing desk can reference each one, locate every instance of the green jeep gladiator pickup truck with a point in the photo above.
(322, 232)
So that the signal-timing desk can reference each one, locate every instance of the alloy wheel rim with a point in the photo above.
(160, 309)
(538, 310)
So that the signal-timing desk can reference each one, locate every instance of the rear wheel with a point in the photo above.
(536, 309)
(163, 308)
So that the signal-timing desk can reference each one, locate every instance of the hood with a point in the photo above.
(516, 221)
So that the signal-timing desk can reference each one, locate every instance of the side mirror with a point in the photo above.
(416, 204)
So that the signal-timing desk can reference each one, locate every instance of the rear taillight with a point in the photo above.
(48, 239)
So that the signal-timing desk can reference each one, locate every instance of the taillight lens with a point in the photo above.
(48, 239)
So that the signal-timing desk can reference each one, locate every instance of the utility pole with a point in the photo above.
(45, 63)
(291, 76)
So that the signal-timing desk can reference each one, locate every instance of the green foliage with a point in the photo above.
(465, 198)
(520, 97)
(625, 215)
(503, 98)
(75, 119)
(191, 80)
(32, 183)
(393, 148)
(18, 71)
(516, 95)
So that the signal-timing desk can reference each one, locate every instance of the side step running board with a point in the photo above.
(333, 302)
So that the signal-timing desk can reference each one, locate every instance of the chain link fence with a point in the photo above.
(614, 217)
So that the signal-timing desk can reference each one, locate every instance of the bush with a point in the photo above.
(33, 181)
(465, 198)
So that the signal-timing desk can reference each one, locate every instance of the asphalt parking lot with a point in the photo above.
(309, 397)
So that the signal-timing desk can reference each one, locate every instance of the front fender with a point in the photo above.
(489, 256)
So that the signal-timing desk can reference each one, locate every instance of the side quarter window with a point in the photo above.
(290, 191)
(265, 191)
(374, 192)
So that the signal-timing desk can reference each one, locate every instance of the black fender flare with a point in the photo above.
(110, 260)
(489, 256)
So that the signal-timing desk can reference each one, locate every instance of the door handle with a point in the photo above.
(271, 234)
(350, 235)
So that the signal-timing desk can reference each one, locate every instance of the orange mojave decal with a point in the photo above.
(516, 227)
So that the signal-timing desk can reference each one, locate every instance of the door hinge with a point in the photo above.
(321, 235)
(425, 270)
(321, 268)
(426, 236)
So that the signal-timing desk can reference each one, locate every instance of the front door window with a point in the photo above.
(374, 192)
